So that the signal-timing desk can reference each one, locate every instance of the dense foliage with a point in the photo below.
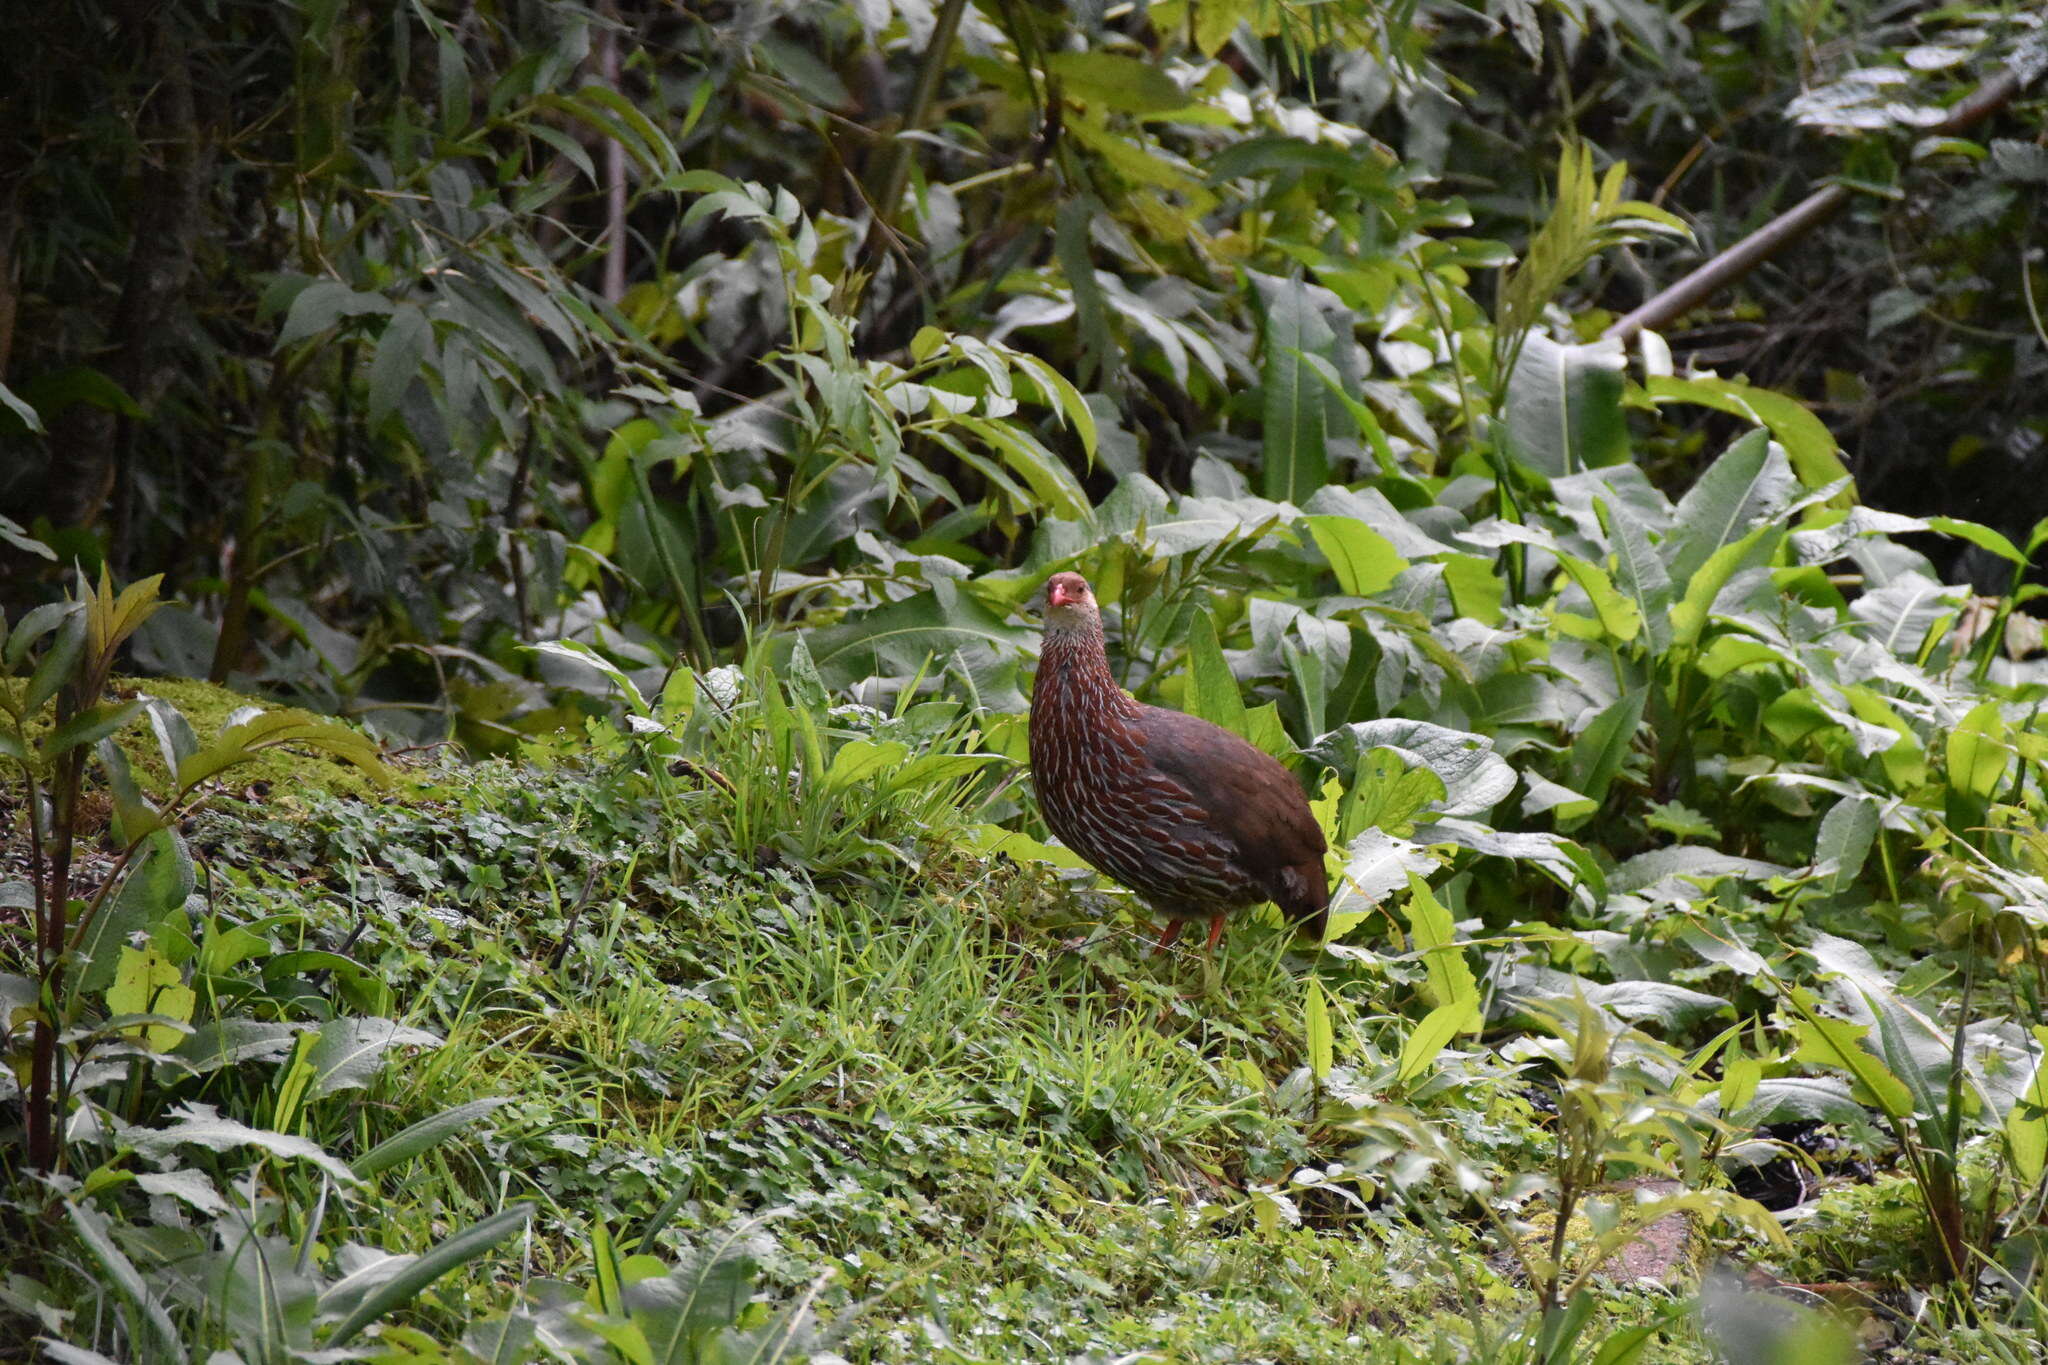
(678, 408)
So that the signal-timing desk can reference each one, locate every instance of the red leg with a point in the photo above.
(1169, 934)
(1215, 931)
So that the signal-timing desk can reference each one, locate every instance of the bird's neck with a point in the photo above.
(1073, 669)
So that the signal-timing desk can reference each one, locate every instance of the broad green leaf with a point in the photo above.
(201, 1125)
(1091, 310)
(428, 1133)
(1385, 793)
(1690, 614)
(929, 770)
(133, 814)
(1838, 1044)
(1638, 569)
(1563, 411)
(1739, 493)
(1597, 754)
(2026, 1124)
(1983, 537)
(146, 982)
(1809, 445)
(1051, 482)
(323, 303)
(1846, 834)
(243, 739)
(89, 727)
(860, 760)
(1978, 751)
(1432, 1035)
(406, 345)
(1618, 616)
(1476, 588)
(1435, 938)
(1316, 1025)
(349, 1051)
(1294, 456)
(989, 840)
(33, 626)
(1364, 561)
(405, 1286)
(56, 666)
(127, 1281)
(1116, 82)
(897, 639)
(1739, 1078)
(1214, 695)
(159, 879)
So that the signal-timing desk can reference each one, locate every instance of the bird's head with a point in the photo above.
(1069, 604)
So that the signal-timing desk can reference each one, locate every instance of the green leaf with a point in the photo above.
(1837, 1044)
(1053, 484)
(1316, 1026)
(1978, 751)
(133, 814)
(1432, 1035)
(240, 742)
(1597, 755)
(1116, 82)
(1364, 561)
(2026, 1124)
(159, 878)
(1619, 618)
(402, 1288)
(31, 419)
(1563, 411)
(1846, 834)
(1809, 445)
(1983, 537)
(1638, 569)
(349, 1051)
(1476, 588)
(1689, 616)
(126, 1280)
(406, 344)
(1091, 309)
(1435, 938)
(56, 666)
(860, 760)
(323, 303)
(147, 982)
(428, 1133)
(1295, 456)
(89, 727)
(896, 640)
(1385, 793)
(1740, 491)
(33, 626)
(990, 840)
(1214, 695)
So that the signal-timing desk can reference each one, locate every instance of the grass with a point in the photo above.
(992, 1123)
(949, 1104)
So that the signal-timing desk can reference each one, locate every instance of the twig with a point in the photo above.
(1788, 227)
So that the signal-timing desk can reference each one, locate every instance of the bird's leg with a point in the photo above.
(1215, 931)
(1169, 934)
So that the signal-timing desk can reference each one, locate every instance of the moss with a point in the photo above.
(288, 771)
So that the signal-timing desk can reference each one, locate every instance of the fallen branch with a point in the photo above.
(1809, 213)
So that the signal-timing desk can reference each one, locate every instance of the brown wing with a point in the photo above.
(1253, 804)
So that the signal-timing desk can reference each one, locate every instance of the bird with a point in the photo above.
(1195, 820)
